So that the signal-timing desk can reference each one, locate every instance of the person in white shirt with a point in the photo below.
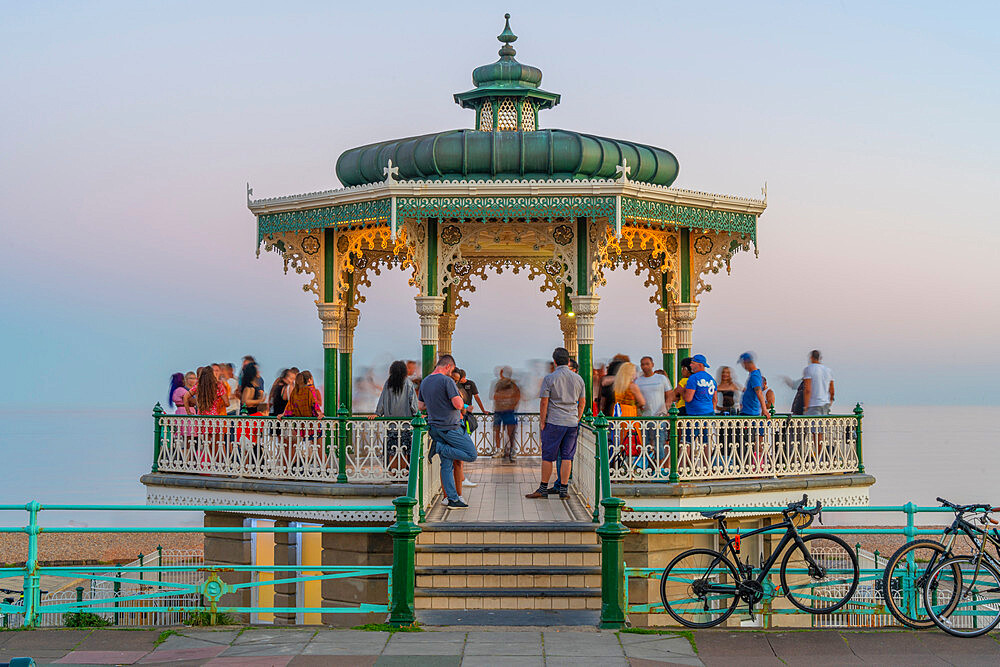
(817, 386)
(656, 390)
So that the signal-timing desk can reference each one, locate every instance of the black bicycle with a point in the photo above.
(961, 594)
(907, 570)
(700, 588)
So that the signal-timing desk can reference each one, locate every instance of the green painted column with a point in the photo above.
(428, 351)
(346, 390)
(685, 251)
(328, 315)
(859, 413)
(585, 311)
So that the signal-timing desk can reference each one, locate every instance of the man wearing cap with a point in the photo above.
(753, 396)
(699, 393)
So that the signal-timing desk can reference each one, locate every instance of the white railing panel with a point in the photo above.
(585, 468)
(493, 439)
(732, 447)
(379, 451)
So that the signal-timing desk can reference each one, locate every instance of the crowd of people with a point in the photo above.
(215, 389)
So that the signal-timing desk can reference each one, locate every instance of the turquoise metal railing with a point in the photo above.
(154, 590)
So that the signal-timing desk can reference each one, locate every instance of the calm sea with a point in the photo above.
(97, 457)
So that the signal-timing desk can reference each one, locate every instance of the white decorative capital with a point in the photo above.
(347, 326)
(330, 315)
(683, 315)
(585, 309)
(567, 322)
(429, 308)
(446, 327)
(668, 335)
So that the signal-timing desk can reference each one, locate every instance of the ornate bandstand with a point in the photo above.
(450, 208)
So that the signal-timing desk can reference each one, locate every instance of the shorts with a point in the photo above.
(559, 442)
(504, 418)
(818, 410)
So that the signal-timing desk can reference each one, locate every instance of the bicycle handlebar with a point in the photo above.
(799, 507)
(966, 508)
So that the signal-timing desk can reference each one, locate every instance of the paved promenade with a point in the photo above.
(521, 647)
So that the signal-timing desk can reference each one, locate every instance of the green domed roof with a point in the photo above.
(475, 155)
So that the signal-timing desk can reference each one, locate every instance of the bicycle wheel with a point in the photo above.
(977, 591)
(698, 588)
(825, 584)
(903, 583)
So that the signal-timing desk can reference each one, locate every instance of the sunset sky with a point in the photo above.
(128, 132)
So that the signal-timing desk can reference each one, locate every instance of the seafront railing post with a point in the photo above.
(32, 582)
(859, 413)
(342, 415)
(404, 539)
(417, 459)
(157, 436)
(612, 534)
(672, 417)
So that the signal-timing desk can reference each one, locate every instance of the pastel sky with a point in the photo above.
(128, 131)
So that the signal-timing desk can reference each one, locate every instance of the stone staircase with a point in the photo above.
(539, 565)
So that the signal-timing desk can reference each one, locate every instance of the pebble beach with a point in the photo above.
(101, 547)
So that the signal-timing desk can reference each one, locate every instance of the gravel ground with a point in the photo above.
(104, 547)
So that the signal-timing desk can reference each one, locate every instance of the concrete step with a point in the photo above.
(502, 598)
(527, 577)
(510, 555)
(508, 533)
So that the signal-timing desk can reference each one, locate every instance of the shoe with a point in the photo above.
(553, 490)
(563, 493)
(457, 504)
(540, 492)
(431, 451)
(469, 483)
(511, 460)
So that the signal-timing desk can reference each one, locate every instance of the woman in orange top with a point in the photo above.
(303, 401)
(629, 400)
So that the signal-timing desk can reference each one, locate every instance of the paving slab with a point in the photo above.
(886, 647)
(507, 636)
(259, 649)
(294, 636)
(503, 648)
(243, 661)
(346, 642)
(418, 661)
(417, 637)
(959, 651)
(585, 662)
(815, 647)
(167, 655)
(48, 640)
(502, 661)
(424, 648)
(224, 637)
(333, 661)
(43, 656)
(179, 642)
(658, 648)
(729, 644)
(102, 639)
(642, 662)
(582, 644)
(101, 658)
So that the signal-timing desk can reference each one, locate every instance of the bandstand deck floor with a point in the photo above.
(499, 496)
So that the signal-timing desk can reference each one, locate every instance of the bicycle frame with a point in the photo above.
(791, 536)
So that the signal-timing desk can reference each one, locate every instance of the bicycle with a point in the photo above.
(970, 586)
(819, 573)
(908, 568)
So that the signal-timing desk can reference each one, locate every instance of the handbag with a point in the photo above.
(471, 422)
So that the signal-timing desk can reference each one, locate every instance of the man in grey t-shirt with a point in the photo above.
(561, 401)
(439, 396)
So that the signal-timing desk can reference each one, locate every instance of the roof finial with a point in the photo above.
(507, 36)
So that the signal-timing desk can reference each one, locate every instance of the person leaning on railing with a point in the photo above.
(399, 401)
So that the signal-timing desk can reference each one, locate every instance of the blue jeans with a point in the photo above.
(453, 444)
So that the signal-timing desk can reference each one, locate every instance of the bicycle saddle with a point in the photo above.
(715, 513)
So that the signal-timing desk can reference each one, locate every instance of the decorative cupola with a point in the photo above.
(507, 97)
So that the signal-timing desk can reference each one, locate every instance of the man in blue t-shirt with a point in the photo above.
(753, 395)
(699, 393)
